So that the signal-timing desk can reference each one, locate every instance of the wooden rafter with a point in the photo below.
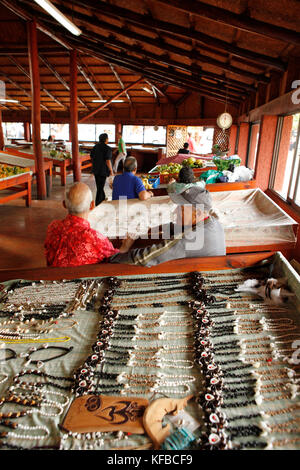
(23, 13)
(120, 82)
(59, 77)
(27, 74)
(91, 74)
(99, 108)
(242, 22)
(89, 81)
(151, 71)
(164, 59)
(182, 52)
(178, 30)
(16, 85)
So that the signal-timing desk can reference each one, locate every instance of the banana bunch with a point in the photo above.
(146, 182)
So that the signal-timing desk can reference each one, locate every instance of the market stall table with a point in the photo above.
(20, 185)
(91, 356)
(61, 167)
(64, 167)
(12, 157)
(251, 220)
(161, 189)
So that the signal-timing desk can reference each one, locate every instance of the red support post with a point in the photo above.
(265, 149)
(74, 115)
(27, 135)
(1, 133)
(232, 139)
(36, 107)
(243, 142)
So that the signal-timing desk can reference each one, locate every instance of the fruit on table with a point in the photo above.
(53, 153)
(146, 182)
(193, 162)
(170, 168)
(60, 155)
(10, 170)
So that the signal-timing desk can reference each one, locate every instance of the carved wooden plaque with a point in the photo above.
(91, 413)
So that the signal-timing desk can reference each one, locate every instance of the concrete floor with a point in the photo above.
(23, 229)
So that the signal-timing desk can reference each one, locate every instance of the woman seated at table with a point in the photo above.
(196, 233)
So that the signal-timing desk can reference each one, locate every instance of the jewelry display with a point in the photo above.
(29, 437)
(61, 339)
(4, 378)
(13, 354)
(45, 346)
(156, 334)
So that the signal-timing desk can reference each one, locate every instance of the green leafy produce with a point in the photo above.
(224, 163)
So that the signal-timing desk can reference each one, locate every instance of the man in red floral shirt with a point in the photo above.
(72, 242)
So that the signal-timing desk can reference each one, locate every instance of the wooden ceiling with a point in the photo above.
(221, 49)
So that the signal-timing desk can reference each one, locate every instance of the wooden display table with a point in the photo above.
(106, 269)
(252, 221)
(13, 157)
(63, 168)
(161, 190)
(60, 167)
(20, 185)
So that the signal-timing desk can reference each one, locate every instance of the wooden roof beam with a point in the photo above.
(99, 108)
(16, 85)
(174, 82)
(93, 76)
(178, 30)
(239, 21)
(22, 69)
(104, 41)
(16, 104)
(137, 65)
(120, 82)
(167, 61)
(182, 99)
(22, 13)
(89, 81)
(165, 79)
(59, 77)
(192, 55)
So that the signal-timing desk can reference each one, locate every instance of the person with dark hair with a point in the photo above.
(51, 138)
(101, 155)
(186, 175)
(185, 148)
(128, 184)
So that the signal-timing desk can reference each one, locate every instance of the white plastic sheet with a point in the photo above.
(249, 217)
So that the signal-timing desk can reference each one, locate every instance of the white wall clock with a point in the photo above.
(224, 120)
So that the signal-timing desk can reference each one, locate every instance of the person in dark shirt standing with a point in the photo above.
(101, 155)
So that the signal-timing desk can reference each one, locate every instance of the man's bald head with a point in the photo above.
(78, 198)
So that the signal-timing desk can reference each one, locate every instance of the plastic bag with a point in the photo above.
(211, 176)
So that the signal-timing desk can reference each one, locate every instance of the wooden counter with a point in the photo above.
(106, 269)
(60, 167)
(48, 165)
(161, 190)
(20, 185)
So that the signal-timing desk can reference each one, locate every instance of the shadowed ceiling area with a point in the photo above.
(224, 51)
